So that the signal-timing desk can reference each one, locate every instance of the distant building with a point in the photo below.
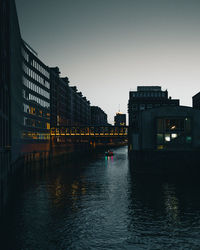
(80, 108)
(196, 101)
(147, 97)
(68, 106)
(120, 119)
(60, 99)
(98, 116)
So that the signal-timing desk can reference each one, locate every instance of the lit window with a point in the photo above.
(174, 136)
(167, 138)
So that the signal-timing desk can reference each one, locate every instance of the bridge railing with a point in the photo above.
(90, 131)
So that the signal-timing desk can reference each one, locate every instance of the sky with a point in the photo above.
(109, 47)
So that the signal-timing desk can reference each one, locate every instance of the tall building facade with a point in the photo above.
(36, 97)
(60, 99)
(80, 108)
(120, 119)
(147, 97)
(98, 116)
(10, 79)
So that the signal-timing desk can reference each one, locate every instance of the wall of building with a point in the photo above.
(98, 116)
(4, 75)
(147, 97)
(147, 124)
(16, 114)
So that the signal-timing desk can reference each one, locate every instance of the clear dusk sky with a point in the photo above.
(109, 47)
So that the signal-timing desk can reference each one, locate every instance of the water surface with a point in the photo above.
(98, 204)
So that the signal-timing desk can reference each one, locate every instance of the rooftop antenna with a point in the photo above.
(119, 108)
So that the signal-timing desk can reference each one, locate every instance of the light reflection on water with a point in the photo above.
(98, 204)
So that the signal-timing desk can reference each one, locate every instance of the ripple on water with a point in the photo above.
(100, 205)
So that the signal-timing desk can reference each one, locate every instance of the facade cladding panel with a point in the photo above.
(36, 96)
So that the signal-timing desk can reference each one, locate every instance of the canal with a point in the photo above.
(97, 204)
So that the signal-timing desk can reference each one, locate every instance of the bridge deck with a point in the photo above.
(97, 131)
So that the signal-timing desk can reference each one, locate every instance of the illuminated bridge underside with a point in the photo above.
(91, 131)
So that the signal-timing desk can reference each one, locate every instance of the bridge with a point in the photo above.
(90, 131)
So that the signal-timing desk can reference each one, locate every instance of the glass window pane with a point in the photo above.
(159, 138)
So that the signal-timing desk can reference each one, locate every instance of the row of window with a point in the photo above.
(33, 98)
(149, 94)
(136, 107)
(35, 88)
(36, 136)
(35, 123)
(178, 125)
(35, 64)
(35, 76)
(173, 138)
(35, 111)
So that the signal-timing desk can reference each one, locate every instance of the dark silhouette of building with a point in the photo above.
(120, 119)
(167, 141)
(98, 116)
(80, 108)
(147, 97)
(10, 79)
(60, 99)
(196, 101)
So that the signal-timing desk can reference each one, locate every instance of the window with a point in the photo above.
(173, 132)
(142, 106)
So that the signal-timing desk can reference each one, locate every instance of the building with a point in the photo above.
(168, 139)
(10, 80)
(98, 116)
(80, 108)
(196, 101)
(120, 119)
(147, 97)
(60, 99)
(36, 101)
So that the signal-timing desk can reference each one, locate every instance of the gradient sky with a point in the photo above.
(109, 47)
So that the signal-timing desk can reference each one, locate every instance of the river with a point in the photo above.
(98, 204)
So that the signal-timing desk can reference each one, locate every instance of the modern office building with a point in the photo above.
(36, 97)
(147, 97)
(120, 119)
(98, 116)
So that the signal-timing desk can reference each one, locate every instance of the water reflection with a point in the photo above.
(99, 204)
(165, 212)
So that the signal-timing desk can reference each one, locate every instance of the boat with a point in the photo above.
(109, 153)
